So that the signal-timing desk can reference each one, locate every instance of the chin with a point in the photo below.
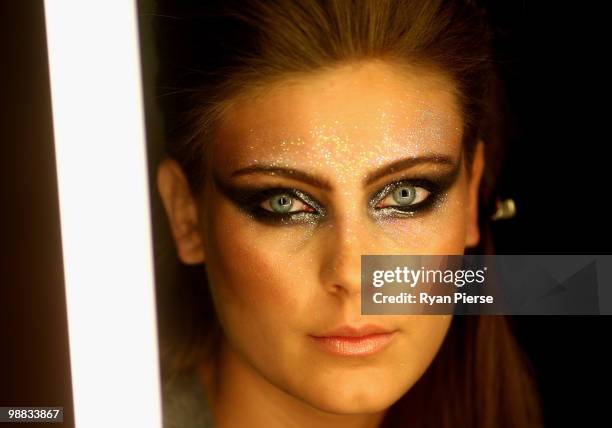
(366, 397)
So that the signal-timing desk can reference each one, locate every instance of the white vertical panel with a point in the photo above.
(100, 152)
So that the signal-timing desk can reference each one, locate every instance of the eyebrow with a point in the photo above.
(407, 163)
(390, 168)
(284, 172)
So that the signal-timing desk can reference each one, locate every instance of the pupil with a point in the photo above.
(404, 195)
(282, 203)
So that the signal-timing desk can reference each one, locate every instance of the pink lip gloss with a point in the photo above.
(354, 345)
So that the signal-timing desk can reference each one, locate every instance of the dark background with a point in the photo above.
(551, 58)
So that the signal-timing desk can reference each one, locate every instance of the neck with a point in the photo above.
(240, 396)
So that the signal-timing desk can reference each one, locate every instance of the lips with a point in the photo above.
(355, 340)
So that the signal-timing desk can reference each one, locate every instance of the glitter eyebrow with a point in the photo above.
(284, 172)
(407, 163)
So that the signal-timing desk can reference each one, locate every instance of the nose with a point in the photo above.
(344, 241)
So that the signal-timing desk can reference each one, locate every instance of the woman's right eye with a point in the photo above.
(284, 203)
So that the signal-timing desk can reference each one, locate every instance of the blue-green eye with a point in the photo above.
(284, 203)
(404, 195)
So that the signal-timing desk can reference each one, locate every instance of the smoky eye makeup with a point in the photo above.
(411, 196)
(403, 197)
(273, 204)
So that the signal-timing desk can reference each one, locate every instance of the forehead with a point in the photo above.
(362, 114)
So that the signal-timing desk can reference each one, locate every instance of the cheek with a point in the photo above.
(440, 231)
(426, 334)
(418, 346)
(252, 272)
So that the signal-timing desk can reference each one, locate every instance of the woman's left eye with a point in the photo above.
(285, 203)
(405, 195)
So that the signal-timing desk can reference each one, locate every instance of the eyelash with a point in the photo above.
(434, 189)
(252, 202)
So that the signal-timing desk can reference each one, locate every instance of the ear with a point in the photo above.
(182, 212)
(473, 231)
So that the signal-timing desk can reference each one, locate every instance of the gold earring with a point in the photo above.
(505, 209)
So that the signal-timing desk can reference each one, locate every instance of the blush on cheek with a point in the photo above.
(257, 302)
(252, 275)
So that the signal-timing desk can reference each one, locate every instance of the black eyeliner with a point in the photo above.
(248, 200)
(436, 185)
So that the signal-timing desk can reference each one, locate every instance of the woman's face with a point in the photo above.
(304, 179)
